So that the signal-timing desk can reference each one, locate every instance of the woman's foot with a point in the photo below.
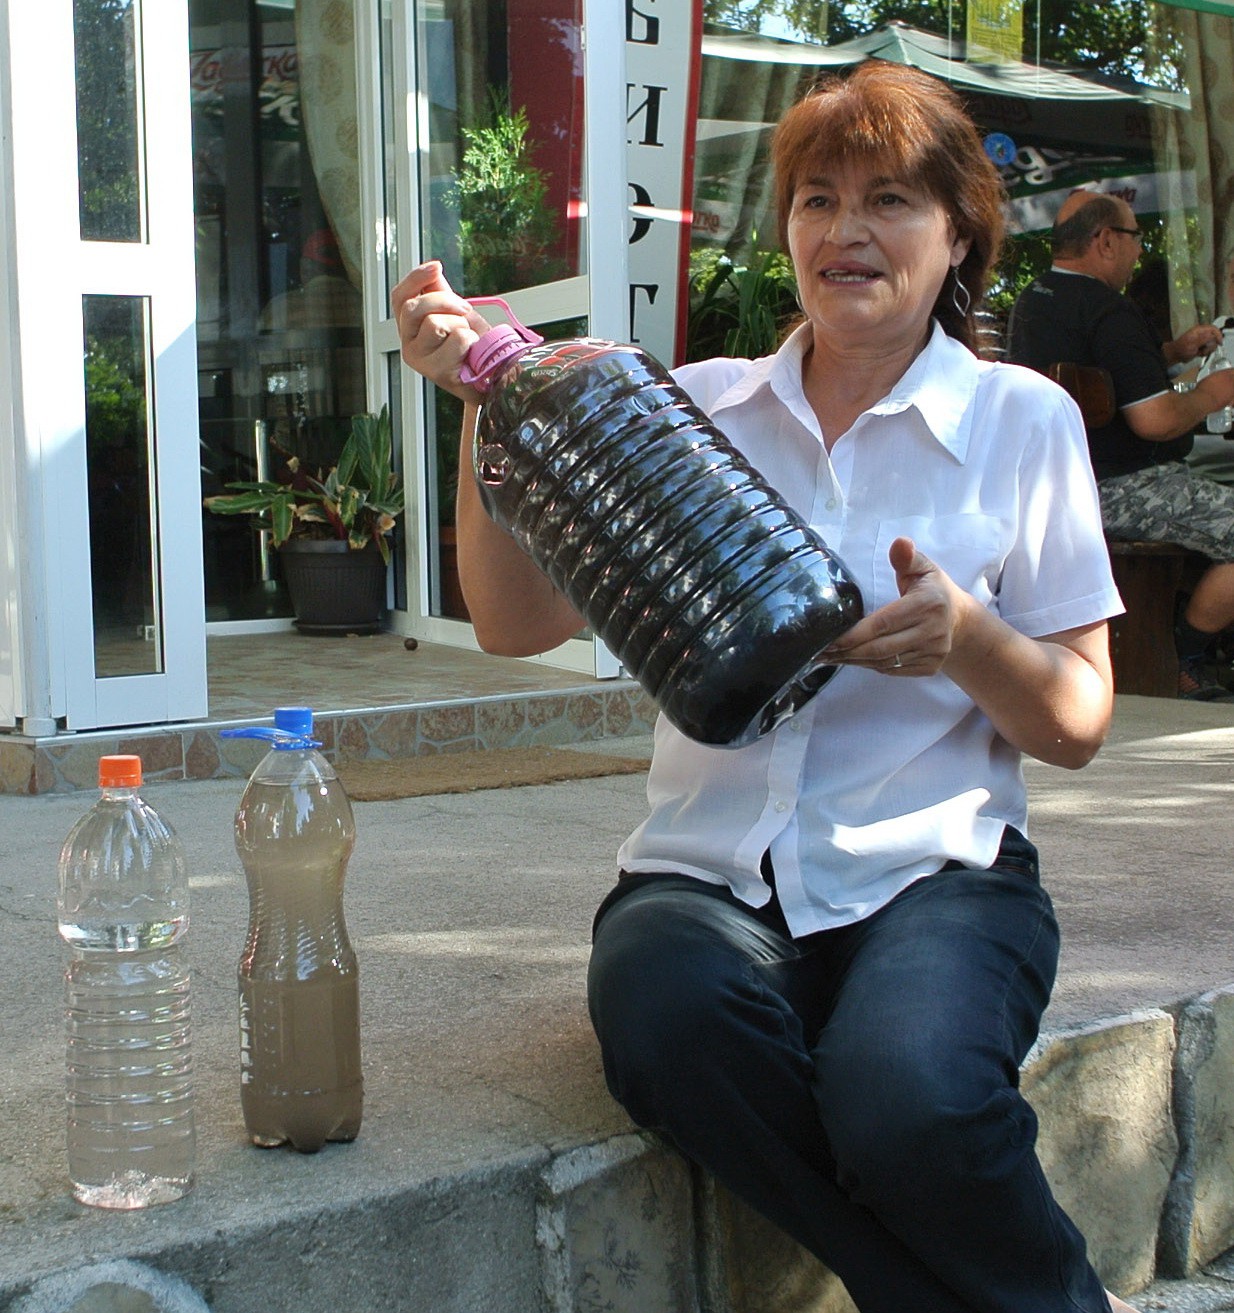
(1117, 1305)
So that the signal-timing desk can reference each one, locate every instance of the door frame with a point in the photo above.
(52, 269)
(600, 294)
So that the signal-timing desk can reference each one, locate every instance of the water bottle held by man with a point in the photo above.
(123, 911)
(1219, 421)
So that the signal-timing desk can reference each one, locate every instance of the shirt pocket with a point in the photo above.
(968, 547)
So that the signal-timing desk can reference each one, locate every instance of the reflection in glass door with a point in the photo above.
(276, 195)
(121, 463)
(500, 186)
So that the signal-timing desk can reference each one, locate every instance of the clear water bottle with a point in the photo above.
(712, 592)
(123, 910)
(1218, 421)
(300, 1078)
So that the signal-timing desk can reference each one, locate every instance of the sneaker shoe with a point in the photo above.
(1194, 682)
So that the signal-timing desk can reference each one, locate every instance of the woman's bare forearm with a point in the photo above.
(514, 608)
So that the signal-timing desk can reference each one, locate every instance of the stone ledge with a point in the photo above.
(1199, 1222)
(1107, 1141)
(626, 1224)
(69, 762)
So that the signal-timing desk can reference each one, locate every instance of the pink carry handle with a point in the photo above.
(492, 349)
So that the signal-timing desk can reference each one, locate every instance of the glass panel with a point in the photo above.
(389, 152)
(501, 193)
(445, 417)
(120, 472)
(279, 329)
(501, 190)
(398, 539)
(109, 153)
(1125, 101)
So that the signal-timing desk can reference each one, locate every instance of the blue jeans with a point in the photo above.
(858, 1087)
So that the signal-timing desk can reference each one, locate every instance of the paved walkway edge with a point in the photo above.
(1136, 1133)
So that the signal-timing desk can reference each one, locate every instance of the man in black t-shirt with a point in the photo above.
(1077, 313)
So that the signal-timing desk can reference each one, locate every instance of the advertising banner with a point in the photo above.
(995, 30)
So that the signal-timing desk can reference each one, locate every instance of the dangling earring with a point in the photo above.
(960, 292)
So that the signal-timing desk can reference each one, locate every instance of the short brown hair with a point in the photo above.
(918, 125)
(1072, 236)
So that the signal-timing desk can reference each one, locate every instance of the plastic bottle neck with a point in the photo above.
(117, 793)
(292, 765)
(491, 354)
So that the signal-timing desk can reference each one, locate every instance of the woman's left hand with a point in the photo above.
(912, 635)
(1049, 696)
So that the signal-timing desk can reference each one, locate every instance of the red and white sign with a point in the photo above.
(663, 55)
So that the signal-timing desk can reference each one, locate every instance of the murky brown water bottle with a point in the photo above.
(300, 1078)
(711, 591)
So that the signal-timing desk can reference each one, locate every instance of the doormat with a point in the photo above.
(465, 772)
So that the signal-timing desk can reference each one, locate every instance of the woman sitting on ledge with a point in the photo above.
(829, 951)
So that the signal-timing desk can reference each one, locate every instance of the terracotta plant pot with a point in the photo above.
(334, 590)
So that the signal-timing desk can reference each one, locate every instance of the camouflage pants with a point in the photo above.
(1171, 504)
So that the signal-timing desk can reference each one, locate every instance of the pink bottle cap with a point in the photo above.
(492, 349)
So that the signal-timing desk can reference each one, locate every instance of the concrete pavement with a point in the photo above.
(493, 1171)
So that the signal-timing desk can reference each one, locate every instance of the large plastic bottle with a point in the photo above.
(707, 586)
(300, 1078)
(123, 910)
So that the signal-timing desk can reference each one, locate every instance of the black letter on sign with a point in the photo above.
(650, 109)
(642, 223)
(651, 289)
(651, 26)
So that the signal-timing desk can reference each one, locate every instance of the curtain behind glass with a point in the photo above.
(1200, 142)
(326, 43)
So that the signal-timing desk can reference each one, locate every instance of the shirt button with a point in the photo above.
(781, 806)
(831, 503)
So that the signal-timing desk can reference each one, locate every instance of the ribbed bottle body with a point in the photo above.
(712, 592)
(300, 1074)
(129, 1077)
(123, 910)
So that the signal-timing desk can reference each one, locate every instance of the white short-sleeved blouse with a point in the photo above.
(879, 781)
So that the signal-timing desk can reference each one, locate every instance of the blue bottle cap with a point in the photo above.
(293, 729)
(296, 720)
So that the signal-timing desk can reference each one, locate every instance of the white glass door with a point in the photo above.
(107, 398)
(495, 161)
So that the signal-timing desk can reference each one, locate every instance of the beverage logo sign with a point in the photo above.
(995, 30)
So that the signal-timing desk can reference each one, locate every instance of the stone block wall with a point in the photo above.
(1136, 1120)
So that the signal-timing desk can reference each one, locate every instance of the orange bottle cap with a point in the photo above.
(119, 772)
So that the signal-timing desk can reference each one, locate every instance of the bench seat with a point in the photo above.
(1149, 576)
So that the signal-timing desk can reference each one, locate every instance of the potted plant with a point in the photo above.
(332, 530)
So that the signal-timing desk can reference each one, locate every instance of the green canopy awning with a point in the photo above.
(901, 44)
(1203, 6)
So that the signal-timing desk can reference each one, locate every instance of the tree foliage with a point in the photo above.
(107, 149)
(1114, 37)
(505, 224)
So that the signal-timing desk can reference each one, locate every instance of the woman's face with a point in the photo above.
(870, 252)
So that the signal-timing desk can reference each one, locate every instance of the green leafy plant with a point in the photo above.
(505, 225)
(739, 310)
(358, 500)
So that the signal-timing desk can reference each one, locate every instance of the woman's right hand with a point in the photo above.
(436, 328)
